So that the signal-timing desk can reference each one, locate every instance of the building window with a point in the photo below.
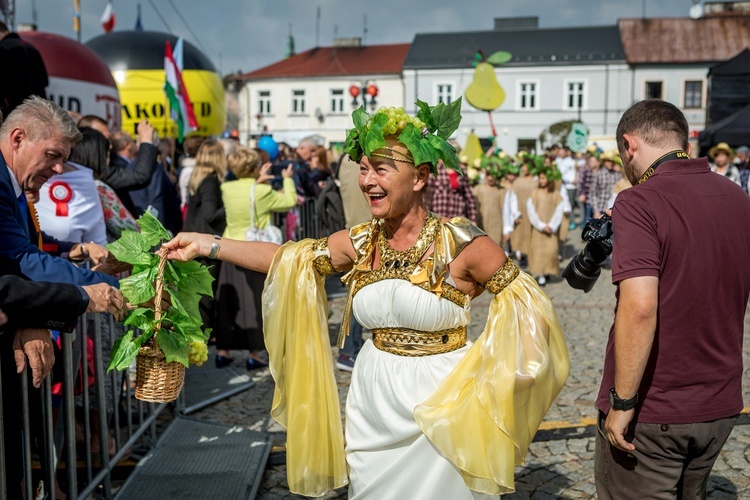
(264, 102)
(528, 95)
(575, 95)
(693, 94)
(654, 90)
(298, 101)
(444, 92)
(337, 100)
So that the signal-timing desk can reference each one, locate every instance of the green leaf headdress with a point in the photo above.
(425, 136)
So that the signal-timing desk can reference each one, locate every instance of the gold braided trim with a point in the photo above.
(322, 263)
(407, 342)
(406, 158)
(502, 278)
(449, 292)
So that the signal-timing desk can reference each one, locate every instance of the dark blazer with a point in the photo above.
(19, 256)
(30, 304)
(206, 209)
(124, 177)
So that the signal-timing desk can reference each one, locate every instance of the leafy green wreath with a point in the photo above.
(427, 144)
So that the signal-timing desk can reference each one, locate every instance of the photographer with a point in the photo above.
(674, 355)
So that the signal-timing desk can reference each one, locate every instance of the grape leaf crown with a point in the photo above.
(425, 135)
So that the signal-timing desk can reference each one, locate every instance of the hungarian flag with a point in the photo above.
(181, 109)
(108, 18)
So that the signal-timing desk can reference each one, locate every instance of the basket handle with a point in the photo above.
(159, 290)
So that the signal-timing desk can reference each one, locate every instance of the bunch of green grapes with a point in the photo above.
(198, 353)
(397, 120)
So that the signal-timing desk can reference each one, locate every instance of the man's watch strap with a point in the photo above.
(622, 404)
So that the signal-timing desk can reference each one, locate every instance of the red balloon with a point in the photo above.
(354, 90)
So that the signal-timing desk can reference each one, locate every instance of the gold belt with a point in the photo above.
(406, 342)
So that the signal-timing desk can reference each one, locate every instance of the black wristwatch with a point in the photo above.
(622, 404)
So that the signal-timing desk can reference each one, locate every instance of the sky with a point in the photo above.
(244, 35)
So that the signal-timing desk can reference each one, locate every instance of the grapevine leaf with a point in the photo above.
(151, 229)
(193, 277)
(186, 327)
(186, 303)
(131, 248)
(351, 146)
(141, 318)
(138, 288)
(373, 138)
(421, 150)
(172, 347)
(499, 58)
(360, 117)
(447, 118)
(125, 350)
(425, 114)
(447, 152)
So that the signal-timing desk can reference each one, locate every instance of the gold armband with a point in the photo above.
(322, 261)
(501, 278)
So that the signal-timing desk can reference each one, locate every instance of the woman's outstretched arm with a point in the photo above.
(253, 255)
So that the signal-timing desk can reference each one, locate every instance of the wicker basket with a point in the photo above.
(157, 381)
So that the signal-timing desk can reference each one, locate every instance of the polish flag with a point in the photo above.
(108, 18)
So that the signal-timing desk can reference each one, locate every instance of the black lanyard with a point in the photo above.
(677, 154)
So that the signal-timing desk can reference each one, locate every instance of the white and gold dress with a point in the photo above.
(428, 415)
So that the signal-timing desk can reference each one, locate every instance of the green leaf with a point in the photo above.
(447, 118)
(186, 303)
(125, 350)
(194, 277)
(141, 318)
(499, 58)
(446, 152)
(351, 145)
(151, 230)
(172, 347)
(425, 115)
(373, 137)
(138, 288)
(131, 248)
(360, 117)
(420, 149)
(186, 327)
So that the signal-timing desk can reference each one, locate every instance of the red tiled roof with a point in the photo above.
(336, 61)
(684, 40)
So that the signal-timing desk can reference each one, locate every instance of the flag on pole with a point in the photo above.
(138, 23)
(181, 109)
(76, 16)
(108, 18)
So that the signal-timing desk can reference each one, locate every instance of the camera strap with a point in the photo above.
(677, 154)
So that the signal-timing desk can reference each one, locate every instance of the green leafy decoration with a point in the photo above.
(195, 277)
(138, 288)
(446, 152)
(173, 349)
(351, 146)
(499, 58)
(360, 117)
(373, 137)
(151, 230)
(447, 118)
(185, 326)
(185, 302)
(125, 350)
(421, 150)
(425, 114)
(141, 318)
(131, 248)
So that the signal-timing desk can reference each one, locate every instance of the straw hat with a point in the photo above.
(722, 146)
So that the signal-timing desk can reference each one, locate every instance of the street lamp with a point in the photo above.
(368, 88)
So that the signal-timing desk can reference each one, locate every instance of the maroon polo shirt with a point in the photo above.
(690, 228)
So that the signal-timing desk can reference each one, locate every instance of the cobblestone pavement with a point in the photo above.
(560, 463)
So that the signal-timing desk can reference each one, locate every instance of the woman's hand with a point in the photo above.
(288, 172)
(187, 246)
(263, 176)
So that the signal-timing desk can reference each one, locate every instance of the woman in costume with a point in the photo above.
(545, 208)
(428, 415)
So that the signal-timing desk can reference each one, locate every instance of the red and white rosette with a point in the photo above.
(61, 193)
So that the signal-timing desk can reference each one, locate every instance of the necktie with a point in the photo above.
(24, 207)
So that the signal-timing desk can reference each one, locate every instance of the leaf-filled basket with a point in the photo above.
(170, 337)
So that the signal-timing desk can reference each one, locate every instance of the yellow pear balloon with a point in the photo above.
(484, 92)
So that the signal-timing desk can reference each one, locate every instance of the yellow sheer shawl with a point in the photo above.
(305, 399)
(483, 416)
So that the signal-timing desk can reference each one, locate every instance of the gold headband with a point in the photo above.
(406, 158)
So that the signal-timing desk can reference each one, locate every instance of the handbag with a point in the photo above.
(269, 234)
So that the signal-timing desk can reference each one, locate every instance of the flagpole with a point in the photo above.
(77, 19)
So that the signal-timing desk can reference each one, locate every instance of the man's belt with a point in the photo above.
(407, 342)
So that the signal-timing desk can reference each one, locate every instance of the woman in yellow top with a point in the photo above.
(239, 318)
(428, 414)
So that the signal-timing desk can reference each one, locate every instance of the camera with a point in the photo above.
(584, 269)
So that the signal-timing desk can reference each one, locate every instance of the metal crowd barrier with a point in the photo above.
(307, 224)
(58, 456)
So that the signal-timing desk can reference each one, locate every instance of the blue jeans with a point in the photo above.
(587, 213)
(353, 342)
